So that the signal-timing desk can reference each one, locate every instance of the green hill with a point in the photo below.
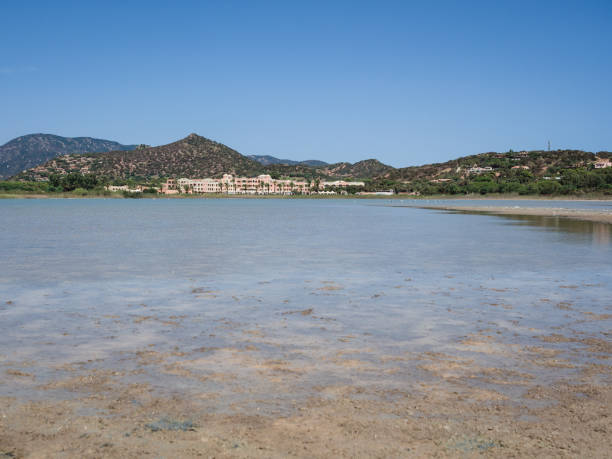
(191, 157)
(369, 168)
(31, 150)
(525, 172)
(267, 160)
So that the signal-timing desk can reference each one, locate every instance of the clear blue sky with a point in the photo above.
(405, 82)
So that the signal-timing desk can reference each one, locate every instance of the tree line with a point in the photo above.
(558, 182)
(521, 181)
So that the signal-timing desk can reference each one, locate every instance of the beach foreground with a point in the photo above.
(449, 407)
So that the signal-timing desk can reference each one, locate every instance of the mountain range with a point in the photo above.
(32, 150)
(197, 157)
(192, 157)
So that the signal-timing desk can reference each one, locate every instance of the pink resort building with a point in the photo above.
(262, 184)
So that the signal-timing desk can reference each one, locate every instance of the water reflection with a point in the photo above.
(599, 233)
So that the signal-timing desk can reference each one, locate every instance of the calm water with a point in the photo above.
(95, 282)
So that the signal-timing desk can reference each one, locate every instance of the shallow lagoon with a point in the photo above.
(257, 305)
(396, 279)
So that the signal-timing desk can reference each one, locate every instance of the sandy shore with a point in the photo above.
(449, 404)
(453, 411)
(574, 214)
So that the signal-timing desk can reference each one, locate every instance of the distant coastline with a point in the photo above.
(202, 164)
(397, 197)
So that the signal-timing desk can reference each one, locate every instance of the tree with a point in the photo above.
(548, 187)
(74, 180)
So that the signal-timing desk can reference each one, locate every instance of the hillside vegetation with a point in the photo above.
(191, 157)
(533, 172)
(369, 168)
(31, 150)
(267, 160)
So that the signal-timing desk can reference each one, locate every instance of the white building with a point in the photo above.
(340, 184)
(479, 170)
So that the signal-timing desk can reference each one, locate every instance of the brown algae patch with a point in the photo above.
(330, 287)
(94, 381)
(487, 344)
(19, 374)
(304, 312)
(594, 345)
(446, 366)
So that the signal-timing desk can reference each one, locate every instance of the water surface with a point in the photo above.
(205, 295)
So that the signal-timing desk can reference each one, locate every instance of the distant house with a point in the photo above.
(377, 193)
(602, 163)
(479, 170)
(117, 187)
(124, 188)
(340, 184)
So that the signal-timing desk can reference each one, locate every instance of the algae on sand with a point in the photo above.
(171, 424)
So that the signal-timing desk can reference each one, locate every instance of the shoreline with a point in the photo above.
(474, 197)
(573, 214)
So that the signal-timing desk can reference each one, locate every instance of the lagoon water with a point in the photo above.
(333, 291)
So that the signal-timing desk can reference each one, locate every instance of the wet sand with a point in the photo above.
(574, 214)
(248, 400)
